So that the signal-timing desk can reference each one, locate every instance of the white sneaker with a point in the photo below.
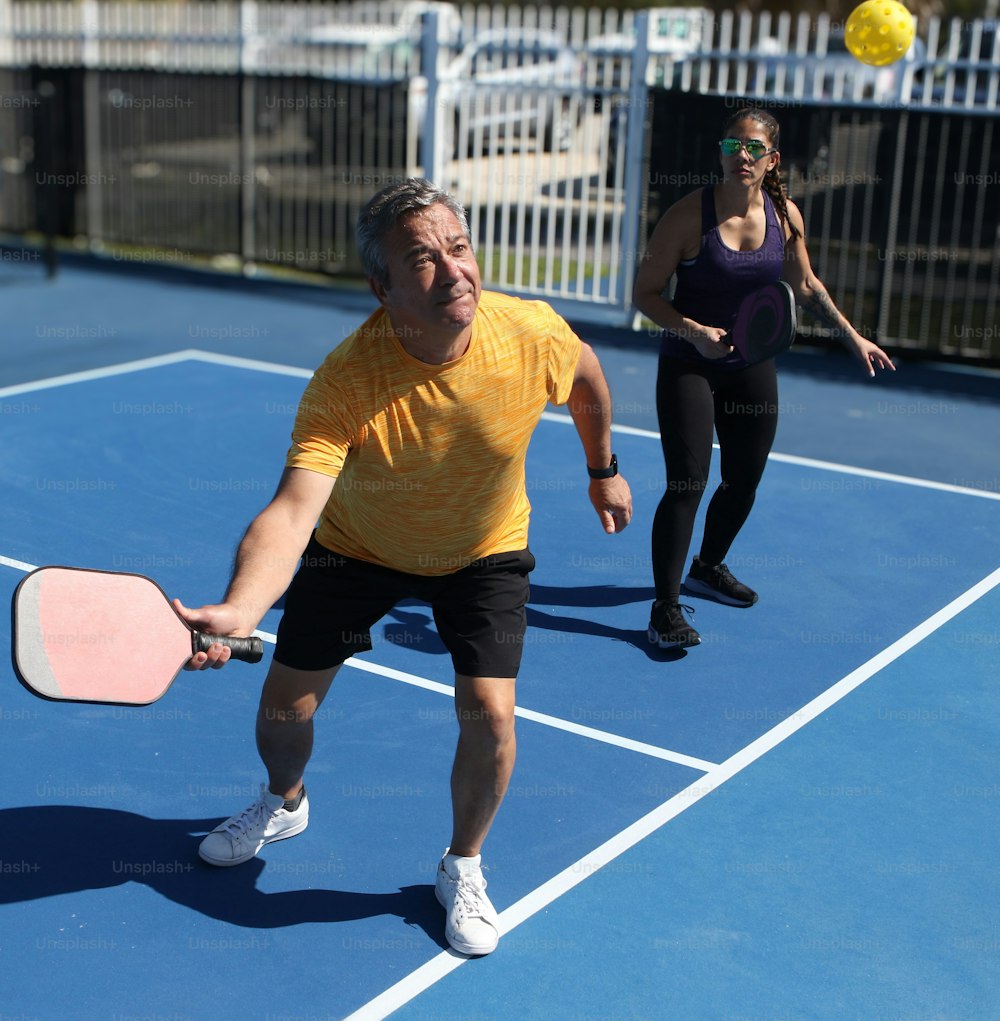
(472, 926)
(240, 838)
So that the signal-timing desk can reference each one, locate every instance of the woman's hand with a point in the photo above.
(869, 354)
(709, 341)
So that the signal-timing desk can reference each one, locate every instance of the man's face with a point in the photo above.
(434, 284)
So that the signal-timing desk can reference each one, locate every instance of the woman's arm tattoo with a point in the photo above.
(820, 305)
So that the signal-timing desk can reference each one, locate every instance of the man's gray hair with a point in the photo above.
(384, 210)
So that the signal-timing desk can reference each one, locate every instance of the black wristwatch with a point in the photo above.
(605, 473)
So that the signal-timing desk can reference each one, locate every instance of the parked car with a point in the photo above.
(510, 86)
(386, 47)
(403, 25)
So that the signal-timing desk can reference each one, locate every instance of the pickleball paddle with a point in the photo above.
(765, 323)
(104, 636)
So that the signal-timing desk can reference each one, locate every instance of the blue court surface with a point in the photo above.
(796, 820)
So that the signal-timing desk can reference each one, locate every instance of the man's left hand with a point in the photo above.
(612, 499)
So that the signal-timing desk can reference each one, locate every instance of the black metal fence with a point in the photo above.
(902, 209)
(184, 166)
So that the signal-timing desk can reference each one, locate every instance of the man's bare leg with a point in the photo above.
(288, 702)
(484, 758)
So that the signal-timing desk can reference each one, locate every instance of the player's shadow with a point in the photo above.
(411, 624)
(596, 597)
(54, 850)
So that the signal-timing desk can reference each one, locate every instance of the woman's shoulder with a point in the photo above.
(795, 216)
(793, 209)
(692, 202)
(686, 211)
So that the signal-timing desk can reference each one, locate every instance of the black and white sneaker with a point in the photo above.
(717, 582)
(668, 629)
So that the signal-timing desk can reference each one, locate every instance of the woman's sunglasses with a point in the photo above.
(756, 149)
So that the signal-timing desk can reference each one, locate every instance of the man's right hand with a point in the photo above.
(265, 562)
(218, 619)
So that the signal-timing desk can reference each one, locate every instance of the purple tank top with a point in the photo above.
(711, 286)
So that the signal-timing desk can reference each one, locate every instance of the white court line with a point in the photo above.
(18, 565)
(89, 374)
(556, 722)
(809, 462)
(442, 964)
(233, 361)
(627, 430)
(155, 362)
(906, 480)
(622, 742)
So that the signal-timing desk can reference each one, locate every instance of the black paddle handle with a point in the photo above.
(248, 650)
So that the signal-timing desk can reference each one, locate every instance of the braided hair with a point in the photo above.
(773, 180)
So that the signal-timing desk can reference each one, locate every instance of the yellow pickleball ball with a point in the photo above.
(879, 32)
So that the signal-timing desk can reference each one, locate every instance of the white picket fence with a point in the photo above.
(552, 173)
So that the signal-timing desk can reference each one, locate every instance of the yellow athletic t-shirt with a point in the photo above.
(429, 459)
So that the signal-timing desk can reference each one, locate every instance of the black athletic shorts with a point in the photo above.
(334, 600)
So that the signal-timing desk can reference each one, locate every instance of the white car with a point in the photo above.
(384, 45)
(404, 26)
(510, 86)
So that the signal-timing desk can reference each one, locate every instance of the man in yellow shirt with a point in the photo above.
(409, 449)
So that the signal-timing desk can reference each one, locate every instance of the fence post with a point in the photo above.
(246, 76)
(634, 205)
(429, 156)
(892, 225)
(50, 204)
(93, 106)
(6, 33)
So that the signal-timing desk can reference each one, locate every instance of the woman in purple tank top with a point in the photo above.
(722, 242)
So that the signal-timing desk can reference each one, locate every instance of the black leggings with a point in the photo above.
(743, 406)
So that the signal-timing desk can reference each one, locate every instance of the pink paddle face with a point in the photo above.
(96, 636)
